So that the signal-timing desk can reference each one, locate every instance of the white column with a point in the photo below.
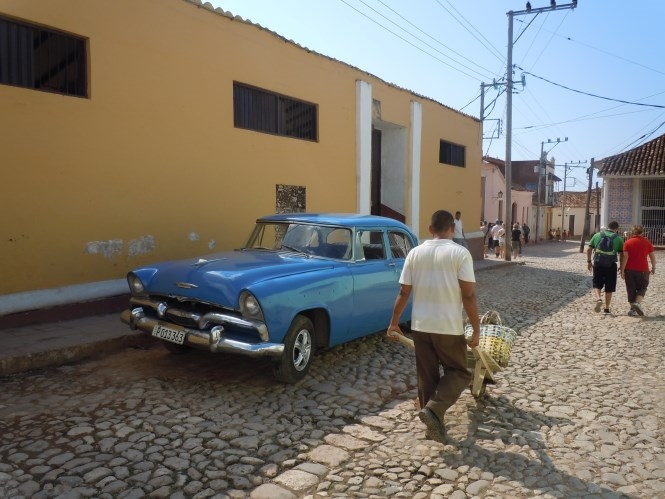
(364, 146)
(414, 163)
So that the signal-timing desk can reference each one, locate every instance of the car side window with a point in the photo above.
(338, 244)
(371, 242)
(400, 245)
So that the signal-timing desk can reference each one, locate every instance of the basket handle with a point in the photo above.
(491, 317)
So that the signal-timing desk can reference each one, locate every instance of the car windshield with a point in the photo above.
(314, 240)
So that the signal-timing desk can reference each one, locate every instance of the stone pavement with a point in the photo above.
(577, 413)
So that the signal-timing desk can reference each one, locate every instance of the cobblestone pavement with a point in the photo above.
(578, 412)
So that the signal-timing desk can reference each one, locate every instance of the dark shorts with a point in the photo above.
(605, 277)
(636, 283)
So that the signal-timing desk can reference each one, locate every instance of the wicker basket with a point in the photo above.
(495, 339)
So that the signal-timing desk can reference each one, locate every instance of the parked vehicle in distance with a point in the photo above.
(303, 281)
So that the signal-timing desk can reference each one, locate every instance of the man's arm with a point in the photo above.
(652, 257)
(589, 251)
(400, 303)
(471, 308)
(623, 259)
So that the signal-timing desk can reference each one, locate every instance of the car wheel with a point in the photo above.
(294, 363)
(175, 348)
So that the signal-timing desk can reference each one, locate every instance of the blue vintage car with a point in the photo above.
(303, 281)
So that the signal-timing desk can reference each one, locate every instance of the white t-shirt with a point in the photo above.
(459, 231)
(433, 269)
(495, 232)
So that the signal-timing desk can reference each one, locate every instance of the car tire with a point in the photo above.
(175, 348)
(296, 360)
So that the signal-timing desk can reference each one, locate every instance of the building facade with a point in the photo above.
(135, 132)
(634, 189)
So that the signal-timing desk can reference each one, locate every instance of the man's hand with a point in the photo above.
(393, 331)
(474, 341)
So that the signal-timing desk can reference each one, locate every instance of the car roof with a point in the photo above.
(345, 219)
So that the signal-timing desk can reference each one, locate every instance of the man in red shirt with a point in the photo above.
(635, 268)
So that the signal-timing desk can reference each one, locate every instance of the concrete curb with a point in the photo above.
(74, 353)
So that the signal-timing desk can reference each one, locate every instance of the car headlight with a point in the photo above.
(135, 285)
(249, 306)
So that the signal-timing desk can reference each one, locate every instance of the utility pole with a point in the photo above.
(542, 170)
(563, 198)
(509, 98)
(483, 86)
(585, 233)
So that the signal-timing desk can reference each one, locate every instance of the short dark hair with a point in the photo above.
(613, 225)
(442, 221)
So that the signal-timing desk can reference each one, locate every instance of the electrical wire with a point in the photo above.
(590, 94)
(415, 46)
(428, 35)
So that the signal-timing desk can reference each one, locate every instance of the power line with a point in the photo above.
(604, 51)
(428, 35)
(415, 46)
(590, 94)
(489, 47)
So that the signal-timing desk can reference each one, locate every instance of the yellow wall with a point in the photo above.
(150, 166)
(444, 186)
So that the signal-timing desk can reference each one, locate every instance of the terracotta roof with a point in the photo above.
(577, 199)
(647, 159)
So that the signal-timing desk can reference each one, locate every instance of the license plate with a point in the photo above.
(168, 334)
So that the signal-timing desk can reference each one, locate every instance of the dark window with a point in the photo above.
(451, 154)
(268, 112)
(42, 59)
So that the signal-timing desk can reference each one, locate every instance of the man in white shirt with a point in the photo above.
(459, 237)
(440, 275)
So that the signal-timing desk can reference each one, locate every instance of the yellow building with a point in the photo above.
(135, 132)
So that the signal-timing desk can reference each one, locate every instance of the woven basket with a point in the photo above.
(495, 339)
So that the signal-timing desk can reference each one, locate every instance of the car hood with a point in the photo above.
(220, 278)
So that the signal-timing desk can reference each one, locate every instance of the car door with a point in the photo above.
(375, 273)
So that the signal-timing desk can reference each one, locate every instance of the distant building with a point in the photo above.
(634, 189)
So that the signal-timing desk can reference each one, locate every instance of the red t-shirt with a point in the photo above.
(637, 248)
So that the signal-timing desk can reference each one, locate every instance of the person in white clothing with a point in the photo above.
(440, 275)
(459, 236)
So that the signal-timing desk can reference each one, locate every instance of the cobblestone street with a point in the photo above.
(577, 413)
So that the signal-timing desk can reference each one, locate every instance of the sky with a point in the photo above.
(594, 74)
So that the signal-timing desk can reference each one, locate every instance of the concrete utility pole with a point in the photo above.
(509, 99)
(563, 199)
(585, 233)
(542, 170)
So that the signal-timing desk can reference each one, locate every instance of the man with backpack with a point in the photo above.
(605, 246)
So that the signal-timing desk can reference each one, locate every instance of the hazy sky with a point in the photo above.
(603, 51)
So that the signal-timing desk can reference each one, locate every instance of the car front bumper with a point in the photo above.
(212, 339)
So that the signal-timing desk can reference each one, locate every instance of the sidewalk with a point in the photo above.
(61, 342)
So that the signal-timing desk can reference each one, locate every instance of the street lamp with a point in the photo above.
(500, 194)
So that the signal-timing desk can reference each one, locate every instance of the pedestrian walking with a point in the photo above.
(501, 233)
(526, 230)
(605, 245)
(484, 228)
(516, 240)
(495, 238)
(440, 275)
(459, 237)
(634, 268)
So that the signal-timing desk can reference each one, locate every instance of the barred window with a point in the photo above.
(42, 59)
(269, 112)
(451, 154)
